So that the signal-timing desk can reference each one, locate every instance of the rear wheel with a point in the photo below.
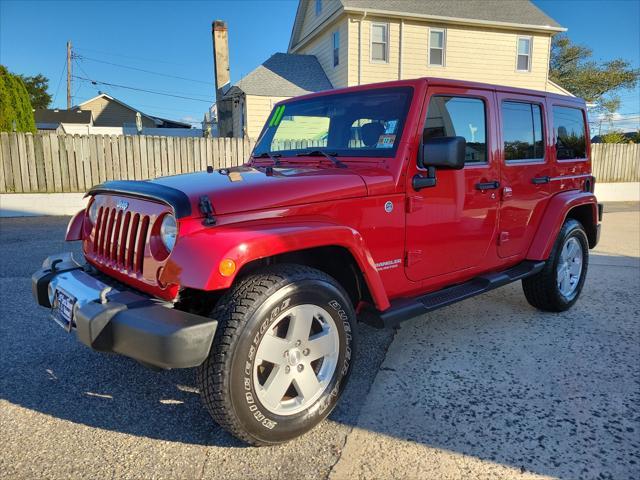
(557, 287)
(281, 356)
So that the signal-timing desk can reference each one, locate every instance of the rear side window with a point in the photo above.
(522, 131)
(459, 117)
(568, 126)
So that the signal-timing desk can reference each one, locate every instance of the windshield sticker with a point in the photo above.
(277, 116)
(390, 126)
(386, 141)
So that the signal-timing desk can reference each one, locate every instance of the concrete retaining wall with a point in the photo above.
(35, 204)
(38, 204)
(618, 192)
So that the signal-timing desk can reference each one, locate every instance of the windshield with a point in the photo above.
(366, 123)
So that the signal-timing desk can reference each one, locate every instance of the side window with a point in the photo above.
(318, 7)
(523, 60)
(459, 117)
(380, 42)
(522, 131)
(437, 41)
(336, 47)
(568, 126)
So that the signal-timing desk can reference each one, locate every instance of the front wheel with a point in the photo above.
(281, 355)
(557, 287)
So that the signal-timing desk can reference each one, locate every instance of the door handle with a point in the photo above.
(488, 185)
(540, 180)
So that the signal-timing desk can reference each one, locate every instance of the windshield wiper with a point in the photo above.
(317, 153)
(272, 156)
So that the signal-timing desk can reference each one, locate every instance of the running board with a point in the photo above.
(405, 309)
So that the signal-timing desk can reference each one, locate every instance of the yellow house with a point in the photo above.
(506, 42)
(246, 105)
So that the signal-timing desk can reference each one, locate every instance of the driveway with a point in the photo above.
(488, 387)
(66, 411)
(492, 388)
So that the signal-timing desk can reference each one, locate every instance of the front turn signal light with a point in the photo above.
(227, 267)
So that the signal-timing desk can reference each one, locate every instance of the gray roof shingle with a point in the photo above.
(55, 116)
(522, 12)
(286, 75)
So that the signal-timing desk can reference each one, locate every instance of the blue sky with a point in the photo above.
(174, 38)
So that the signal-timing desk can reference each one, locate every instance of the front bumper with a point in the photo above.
(109, 318)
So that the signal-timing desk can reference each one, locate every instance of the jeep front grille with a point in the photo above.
(120, 239)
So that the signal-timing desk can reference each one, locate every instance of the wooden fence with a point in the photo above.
(73, 163)
(615, 162)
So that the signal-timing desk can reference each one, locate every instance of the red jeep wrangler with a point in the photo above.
(384, 201)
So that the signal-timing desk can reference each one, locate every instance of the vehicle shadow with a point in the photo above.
(49, 371)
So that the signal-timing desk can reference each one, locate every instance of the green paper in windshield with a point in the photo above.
(277, 116)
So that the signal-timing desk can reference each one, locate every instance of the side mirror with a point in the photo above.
(443, 152)
(438, 152)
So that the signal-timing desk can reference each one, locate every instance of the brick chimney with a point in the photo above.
(220, 39)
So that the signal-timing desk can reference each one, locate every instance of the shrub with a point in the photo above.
(16, 112)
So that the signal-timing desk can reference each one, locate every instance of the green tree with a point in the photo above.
(614, 136)
(573, 68)
(16, 113)
(37, 87)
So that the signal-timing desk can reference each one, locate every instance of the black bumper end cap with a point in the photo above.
(149, 332)
(51, 266)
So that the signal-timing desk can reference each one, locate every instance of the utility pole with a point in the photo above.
(69, 75)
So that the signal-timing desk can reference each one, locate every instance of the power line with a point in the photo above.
(98, 82)
(64, 67)
(82, 57)
(154, 60)
(86, 74)
(162, 108)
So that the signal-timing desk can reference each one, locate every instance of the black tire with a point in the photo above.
(244, 315)
(541, 289)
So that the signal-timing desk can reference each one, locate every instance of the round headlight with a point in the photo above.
(93, 212)
(168, 231)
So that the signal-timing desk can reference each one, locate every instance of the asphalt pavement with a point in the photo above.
(482, 389)
(492, 388)
(69, 412)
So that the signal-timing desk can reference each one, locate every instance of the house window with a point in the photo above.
(524, 54)
(569, 129)
(336, 48)
(522, 131)
(318, 7)
(380, 42)
(459, 117)
(437, 41)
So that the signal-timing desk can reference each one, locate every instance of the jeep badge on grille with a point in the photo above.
(122, 205)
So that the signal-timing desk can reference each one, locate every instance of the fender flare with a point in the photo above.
(554, 217)
(247, 242)
(74, 229)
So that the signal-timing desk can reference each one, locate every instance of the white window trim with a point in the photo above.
(318, 7)
(444, 47)
(333, 48)
(386, 26)
(530, 55)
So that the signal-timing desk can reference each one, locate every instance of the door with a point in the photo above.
(525, 173)
(451, 226)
